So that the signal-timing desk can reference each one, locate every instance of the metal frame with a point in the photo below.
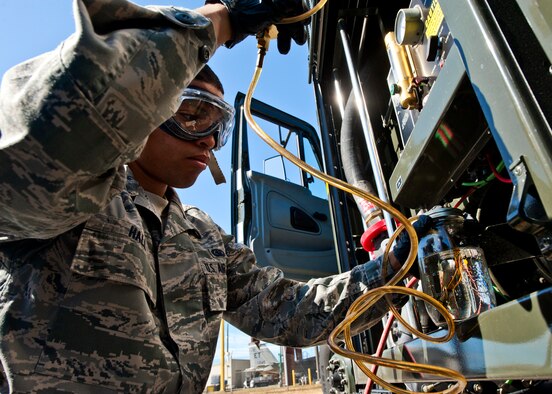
(512, 341)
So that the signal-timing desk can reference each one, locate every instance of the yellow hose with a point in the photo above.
(370, 298)
(305, 15)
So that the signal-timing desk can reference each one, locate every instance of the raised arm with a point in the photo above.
(70, 119)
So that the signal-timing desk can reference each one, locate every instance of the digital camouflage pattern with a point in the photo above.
(96, 294)
(105, 88)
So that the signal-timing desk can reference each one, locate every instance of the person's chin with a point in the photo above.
(184, 183)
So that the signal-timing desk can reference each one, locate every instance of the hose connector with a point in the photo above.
(263, 41)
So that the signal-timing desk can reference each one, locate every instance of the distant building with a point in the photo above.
(262, 368)
(233, 374)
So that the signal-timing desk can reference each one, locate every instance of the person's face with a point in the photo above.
(174, 162)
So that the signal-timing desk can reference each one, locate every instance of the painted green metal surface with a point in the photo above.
(512, 341)
(515, 118)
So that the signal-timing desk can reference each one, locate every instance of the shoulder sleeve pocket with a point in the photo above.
(215, 278)
(216, 288)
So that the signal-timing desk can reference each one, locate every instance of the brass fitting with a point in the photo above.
(263, 42)
(402, 71)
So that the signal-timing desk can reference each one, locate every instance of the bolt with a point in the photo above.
(477, 388)
(518, 170)
(426, 388)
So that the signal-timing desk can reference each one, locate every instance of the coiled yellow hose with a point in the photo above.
(370, 298)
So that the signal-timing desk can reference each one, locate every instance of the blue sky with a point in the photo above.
(31, 27)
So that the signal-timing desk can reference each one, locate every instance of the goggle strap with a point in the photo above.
(216, 172)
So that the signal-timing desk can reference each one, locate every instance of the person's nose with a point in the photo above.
(207, 141)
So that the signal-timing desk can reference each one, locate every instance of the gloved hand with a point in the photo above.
(296, 31)
(402, 246)
(248, 17)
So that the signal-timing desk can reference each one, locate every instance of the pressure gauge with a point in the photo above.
(409, 26)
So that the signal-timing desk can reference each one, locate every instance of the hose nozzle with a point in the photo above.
(263, 41)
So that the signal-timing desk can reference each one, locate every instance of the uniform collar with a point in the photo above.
(177, 221)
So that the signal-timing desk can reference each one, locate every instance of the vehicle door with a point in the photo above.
(278, 209)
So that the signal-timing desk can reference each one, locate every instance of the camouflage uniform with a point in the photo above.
(96, 295)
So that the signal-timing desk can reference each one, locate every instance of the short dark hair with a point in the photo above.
(206, 74)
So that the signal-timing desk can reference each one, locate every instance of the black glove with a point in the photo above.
(296, 31)
(249, 17)
(402, 246)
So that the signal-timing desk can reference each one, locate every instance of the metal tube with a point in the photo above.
(222, 356)
(341, 237)
(381, 187)
(339, 95)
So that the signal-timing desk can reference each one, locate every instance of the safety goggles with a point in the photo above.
(201, 114)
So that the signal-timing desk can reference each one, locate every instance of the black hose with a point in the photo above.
(354, 154)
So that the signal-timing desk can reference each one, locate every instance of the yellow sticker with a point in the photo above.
(434, 19)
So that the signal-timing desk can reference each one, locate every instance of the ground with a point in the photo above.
(312, 389)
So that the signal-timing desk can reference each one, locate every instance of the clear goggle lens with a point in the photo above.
(201, 114)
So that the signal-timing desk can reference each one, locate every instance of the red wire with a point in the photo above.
(379, 351)
(468, 193)
(495, 172)
(383, 339)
